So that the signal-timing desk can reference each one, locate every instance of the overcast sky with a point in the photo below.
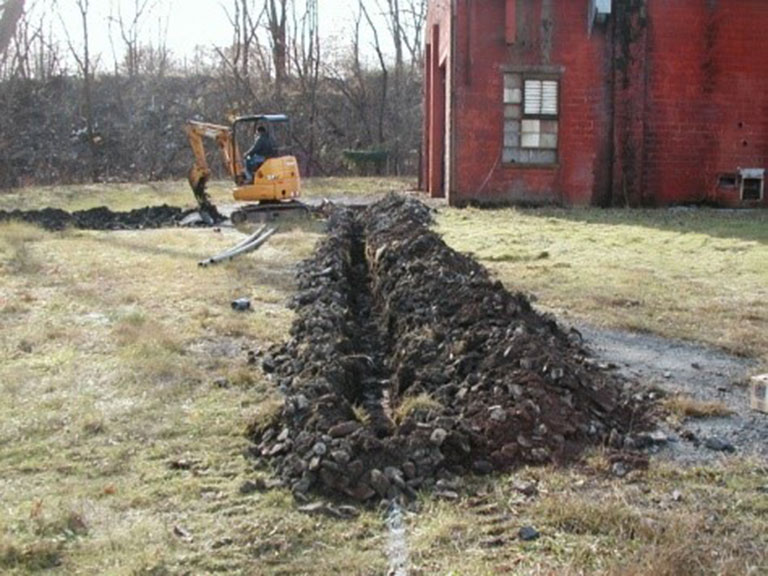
(190, 22)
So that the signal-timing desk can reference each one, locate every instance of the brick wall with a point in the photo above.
(550, 38)
(654, 106)
(707, 102)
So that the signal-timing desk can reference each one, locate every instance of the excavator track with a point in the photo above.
(270, 212)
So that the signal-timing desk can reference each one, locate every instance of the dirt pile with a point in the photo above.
(101, 218)
(408, 365)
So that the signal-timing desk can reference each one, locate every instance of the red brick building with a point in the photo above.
(630, 102)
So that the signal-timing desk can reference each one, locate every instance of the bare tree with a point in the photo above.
(408, 26)
(383, 94)
(130, 32)
(277, 17)
(349, 79)
(12, 11)
(307, 63)
(86, 65)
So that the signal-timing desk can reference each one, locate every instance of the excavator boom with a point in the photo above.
(200, 172)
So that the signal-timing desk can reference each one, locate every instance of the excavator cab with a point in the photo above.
(277, 178)
(276, 183)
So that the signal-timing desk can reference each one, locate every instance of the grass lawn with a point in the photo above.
(695, 274)
(125, 391)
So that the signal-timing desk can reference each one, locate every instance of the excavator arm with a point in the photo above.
(200, 172)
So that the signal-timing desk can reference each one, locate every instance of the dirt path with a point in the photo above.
(702, 373)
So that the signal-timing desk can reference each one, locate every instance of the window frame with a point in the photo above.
(542, 78)
(514, 154)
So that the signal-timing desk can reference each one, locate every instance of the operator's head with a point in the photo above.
(261, 129)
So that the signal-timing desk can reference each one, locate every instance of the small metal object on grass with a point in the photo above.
(241, 304)
(759, 393)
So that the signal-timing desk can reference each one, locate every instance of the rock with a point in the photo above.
(447, 495)
(314, 463)
(284, 435)
(509, 451)
(540, 455)
(344, 429)
(223, 542)
(302, 403)
(362, 492)
(341, 457)
(222, 383)
(346, 511)
(318, 508)
(268, 364)
(182, 533)
(409, 469)
(320, 449)
(451, 484)
(523, 441)
(528, 534)
(355, 469)
(438, 436)
(658, 437)
(497, 414)
(395, 476)
(719, 445)
(525, 488)
(619, 469)
(380, 483)
(647, 439)
(302, 486)
(482, 467)
(277, 449)
(251, 486)
(677, 496)
(615, 440)
(689, 436)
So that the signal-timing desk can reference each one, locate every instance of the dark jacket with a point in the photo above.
(263, 146)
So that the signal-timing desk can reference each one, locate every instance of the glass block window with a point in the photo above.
(531, 110)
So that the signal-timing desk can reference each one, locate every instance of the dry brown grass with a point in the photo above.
(266, 413)
(412, 405)
(682, 407)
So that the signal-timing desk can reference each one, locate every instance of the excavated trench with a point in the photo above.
(368, 376)
(409, 366)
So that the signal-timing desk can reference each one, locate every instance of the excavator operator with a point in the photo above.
(263, 147)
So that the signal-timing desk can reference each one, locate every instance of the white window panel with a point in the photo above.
(532, 97)
(531, 140)
(531, 126)
(541, 97)
(549, 91)
(548, 141)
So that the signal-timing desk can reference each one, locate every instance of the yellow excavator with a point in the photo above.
(270, 183)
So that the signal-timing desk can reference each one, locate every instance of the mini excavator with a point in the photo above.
(270, 187)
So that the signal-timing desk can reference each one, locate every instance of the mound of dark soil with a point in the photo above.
(100, 218)
(408, 364)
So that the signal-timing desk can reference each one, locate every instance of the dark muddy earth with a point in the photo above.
(409, 366)
(699, 372)
(100, 218)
